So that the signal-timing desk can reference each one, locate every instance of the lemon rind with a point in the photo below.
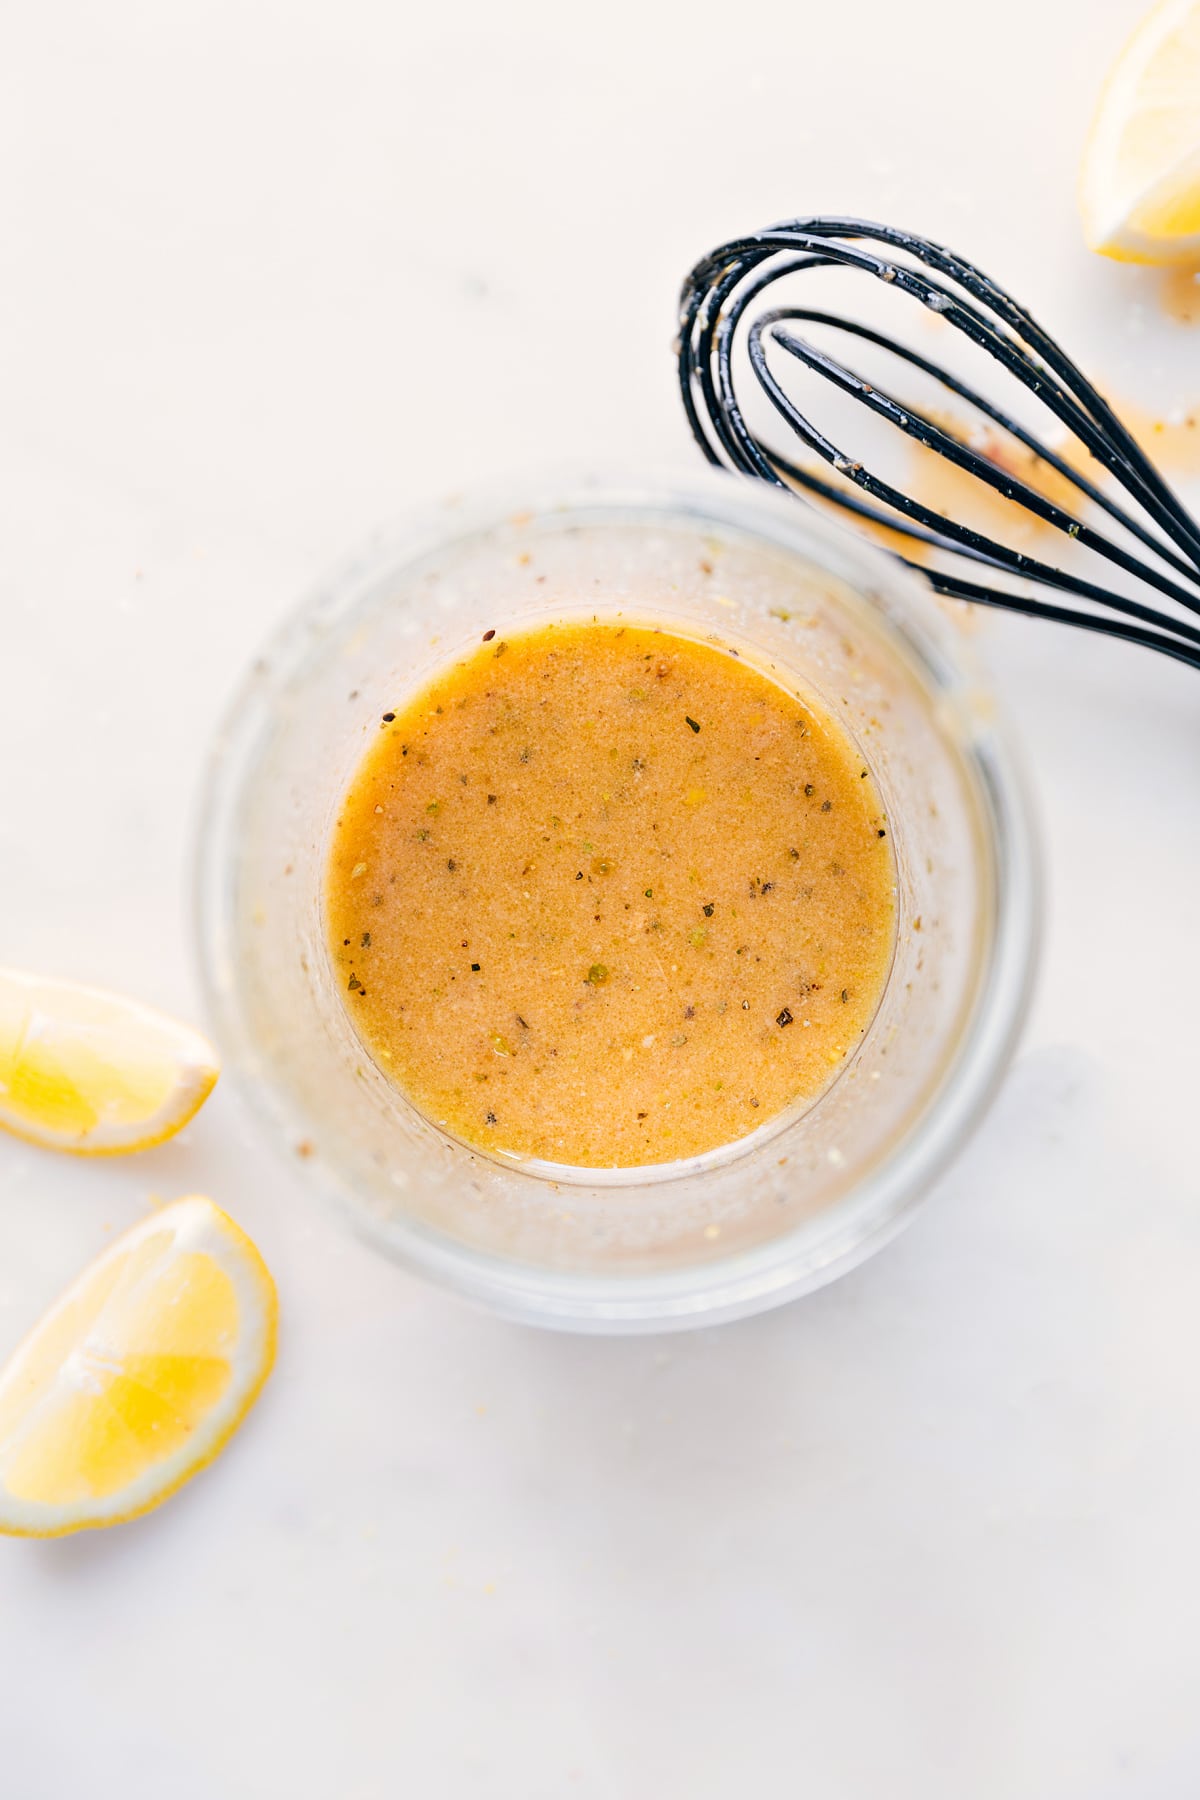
(1109, 231)
(197, 1062)
(217, 1235)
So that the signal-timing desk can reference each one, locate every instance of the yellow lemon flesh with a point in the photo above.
(92, 1072)
(138, 1377)
(1140, 185)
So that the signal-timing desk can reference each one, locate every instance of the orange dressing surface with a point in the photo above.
(605, 896)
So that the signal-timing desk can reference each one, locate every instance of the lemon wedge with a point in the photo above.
(92, 1072)
(138, 1377)
(1140, 187)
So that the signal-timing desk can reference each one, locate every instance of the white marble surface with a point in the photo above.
(270, 273)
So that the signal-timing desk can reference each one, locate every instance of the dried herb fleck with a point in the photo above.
(691, 722)
(597, 975)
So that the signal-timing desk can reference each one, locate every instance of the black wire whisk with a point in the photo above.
(718, 298)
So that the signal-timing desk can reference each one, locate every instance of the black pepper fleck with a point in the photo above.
(475, 968)
(784, 1018)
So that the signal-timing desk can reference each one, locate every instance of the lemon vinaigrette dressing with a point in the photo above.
(605, 896)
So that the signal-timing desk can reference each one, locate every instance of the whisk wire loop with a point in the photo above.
(932, 437)
(718, 297)
(981, 404)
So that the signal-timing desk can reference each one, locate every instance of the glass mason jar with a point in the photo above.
(812, 1192)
